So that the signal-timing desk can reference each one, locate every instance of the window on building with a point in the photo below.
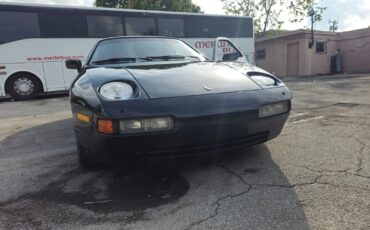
(59, 25)
(320, 47)
(104, 26)
(261, 54)
(18, 25)
(171, 27)
(140, 26)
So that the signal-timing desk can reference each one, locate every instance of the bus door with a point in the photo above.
(54, 75)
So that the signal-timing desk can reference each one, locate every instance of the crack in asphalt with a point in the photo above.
(249, 187)
(361, 158)
(240, 177)
(360, 161)
(331, 105)
(301, 115)
(321, 172)
(220, 199)
(314, 181)
(345, 187)
(216, 210)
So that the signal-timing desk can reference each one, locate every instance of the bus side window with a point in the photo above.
(205, 33)
(198, 27)
(171, 27)
(18, 25)
(104, 26)
(212, 27)
(63, 25)
(140, 26)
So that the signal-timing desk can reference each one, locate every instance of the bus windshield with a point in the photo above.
(128, 50)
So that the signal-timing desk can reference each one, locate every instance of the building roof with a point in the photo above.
(294, 33)
(308, 32)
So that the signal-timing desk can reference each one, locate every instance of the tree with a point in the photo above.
(267, 13)
(164, 5)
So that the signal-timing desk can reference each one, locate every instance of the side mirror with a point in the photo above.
(230, 57)
(74, 64)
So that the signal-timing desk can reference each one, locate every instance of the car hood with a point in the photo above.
(187, 79)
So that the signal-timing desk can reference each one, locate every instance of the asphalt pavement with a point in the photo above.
(315, 175)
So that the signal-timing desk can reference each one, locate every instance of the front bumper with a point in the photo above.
(203, 124)
(191, 137)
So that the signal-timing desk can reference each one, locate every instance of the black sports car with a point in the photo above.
(157, 97)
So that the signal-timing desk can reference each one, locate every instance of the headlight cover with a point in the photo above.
(264, 80)
(116, 91)
(274, 109)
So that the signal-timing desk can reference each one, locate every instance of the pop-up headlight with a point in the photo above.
(116, 91)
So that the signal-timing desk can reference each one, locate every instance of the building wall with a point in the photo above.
(320, 62)
(354, 46)
(277, 55)
(355, 49)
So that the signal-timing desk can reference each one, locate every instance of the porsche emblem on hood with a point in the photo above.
(208, 88)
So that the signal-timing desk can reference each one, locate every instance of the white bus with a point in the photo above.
(35, 40)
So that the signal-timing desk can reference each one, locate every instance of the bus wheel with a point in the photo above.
(24, 86)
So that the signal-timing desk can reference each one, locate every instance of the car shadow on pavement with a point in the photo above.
(43, 186)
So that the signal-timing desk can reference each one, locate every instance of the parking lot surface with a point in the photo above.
(315, 175)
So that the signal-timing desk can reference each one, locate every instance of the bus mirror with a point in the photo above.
(74, 64)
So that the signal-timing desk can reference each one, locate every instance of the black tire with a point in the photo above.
(23, 86)
(84, 159)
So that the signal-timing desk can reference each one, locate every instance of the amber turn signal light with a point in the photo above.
(83, 117)
(105, 126)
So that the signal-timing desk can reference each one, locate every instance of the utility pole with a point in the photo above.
(333, 25)
(311, 14)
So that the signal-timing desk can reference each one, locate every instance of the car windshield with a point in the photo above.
(130, 50)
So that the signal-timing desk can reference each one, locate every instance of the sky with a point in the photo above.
(351, 14)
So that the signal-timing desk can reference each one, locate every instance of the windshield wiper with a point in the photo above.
(169, 57)
(166, 57)
(115, 60)
(131, 59)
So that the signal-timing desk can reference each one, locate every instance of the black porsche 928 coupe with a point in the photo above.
(157, 97)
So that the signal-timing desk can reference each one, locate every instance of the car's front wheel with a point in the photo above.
(84, 159)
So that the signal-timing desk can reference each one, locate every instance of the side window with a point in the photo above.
(197, 27)
(212, 27)
(223, 27)
(59, 25)
(245, 28)
(18, 25)
(171, 27)
(261, 54)
(320, 47)
(232, 27)
(140, 26)
(104, 26)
